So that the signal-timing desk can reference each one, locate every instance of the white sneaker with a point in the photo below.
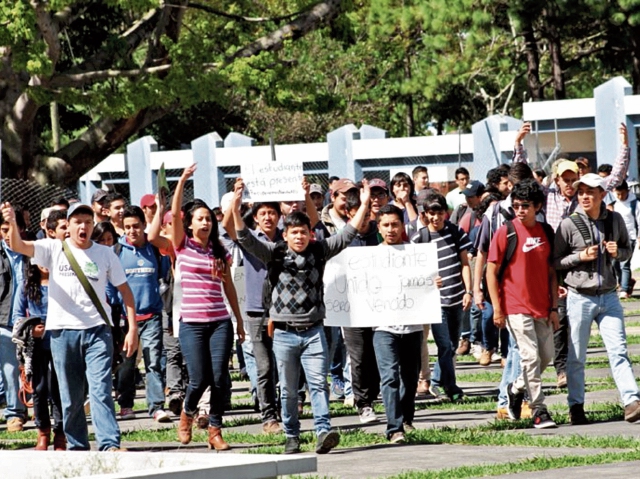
(623, 295)
(495, 357)
(161, 416)
(368, 415)
(350, 401)
(476, 351)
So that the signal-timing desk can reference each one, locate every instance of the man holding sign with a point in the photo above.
(294, 295)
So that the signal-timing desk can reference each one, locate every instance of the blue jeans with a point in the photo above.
(606, 311)
(79, 354)
(250, 363)
(206, 348)
(623, 269)
(150, 334)
(490, 333)
(444, 333)
(10, 376)
(307, 349)
(398, 358)
(511, 371)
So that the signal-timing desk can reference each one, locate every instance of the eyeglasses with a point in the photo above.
(379, 196)
(524, 206)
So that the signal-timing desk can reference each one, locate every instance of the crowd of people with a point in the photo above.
(103, 286)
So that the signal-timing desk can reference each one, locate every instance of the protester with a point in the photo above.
(149, 207)
(420, 176)
(81, 343)
(297, 311)
(98, 205)
(454, 200)
(586, 243)
(403, 194)
(115, 204)
(206, 331)
(627, 206)
(317, 196)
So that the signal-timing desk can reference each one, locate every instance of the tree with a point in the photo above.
(116, 66)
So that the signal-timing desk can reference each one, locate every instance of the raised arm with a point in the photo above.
(310, 206)
(519, 153)
(621, 165)
(228, 221)
(17, 243)
(362, 214)
(154, 236)
(176, 205)
(259, 249)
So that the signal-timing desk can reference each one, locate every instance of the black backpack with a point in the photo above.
(424, 235)
(512, 244)
(585, 232)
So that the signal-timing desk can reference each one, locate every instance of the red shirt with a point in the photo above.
(525, 284)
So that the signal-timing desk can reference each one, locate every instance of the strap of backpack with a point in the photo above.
(512, 244)
(85, 283)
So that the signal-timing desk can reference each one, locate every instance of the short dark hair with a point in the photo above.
(432, 201)
(461, 171)
(352, 198)
(266, 204)
(624, 186)
(333, 178)
(134, 211)
(61, 201)
(605, 168)
(53, 218)
(528, 190)
(419, 169)
(111, 197)
(296, 219)
(103, 227)
(390, 210)
(19, 221)
(520, 172)
(495, 175)
(540, 173)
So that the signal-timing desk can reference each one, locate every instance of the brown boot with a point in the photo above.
(184, 428)
(44, 437)
(59, 441)
(215, 440)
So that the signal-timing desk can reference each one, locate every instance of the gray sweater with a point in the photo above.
(297, 297)
(590, 277)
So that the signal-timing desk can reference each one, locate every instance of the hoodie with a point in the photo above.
(590, 277)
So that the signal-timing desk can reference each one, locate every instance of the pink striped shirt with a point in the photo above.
(201, 291)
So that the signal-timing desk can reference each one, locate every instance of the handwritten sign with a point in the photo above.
(383, 286)
(269, 180)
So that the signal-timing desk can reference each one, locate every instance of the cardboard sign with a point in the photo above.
(268, 180)
(383, 286)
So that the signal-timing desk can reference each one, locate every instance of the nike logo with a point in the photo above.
(531, 243)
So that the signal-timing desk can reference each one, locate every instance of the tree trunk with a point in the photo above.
(635, 52)
(555, 49)
(533, 60)
(409, 114)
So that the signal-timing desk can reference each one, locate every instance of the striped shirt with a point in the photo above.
(202, 300)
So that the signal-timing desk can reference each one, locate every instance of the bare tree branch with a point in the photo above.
(68, 15)
(49, 30)
(303, 24)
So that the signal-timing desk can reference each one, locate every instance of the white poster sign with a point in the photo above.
(268, 180)
(383, 286)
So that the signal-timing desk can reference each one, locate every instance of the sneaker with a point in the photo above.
(476, 351)
(127, 413)
(337, 388)
(408, 427)
(502, 413)
(292, 445)
(175, 404)
(423, 387)
(562, 380)
(542, 419)
(577, 417)
(623, 295)
(514, 402)
(435, 391)
(327, 441)
(350, 401)
(115, 449)
(485, 357)
(397, 438)
(161, 416)
(367, 415)
(632, 412)
(526, 412)
(271, 427)
(15, 424)
(463, 347)
(496, 357)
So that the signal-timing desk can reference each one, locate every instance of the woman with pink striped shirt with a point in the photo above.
(206, 332)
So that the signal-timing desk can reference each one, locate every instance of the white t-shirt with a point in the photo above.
(70, 307)
(455, 198)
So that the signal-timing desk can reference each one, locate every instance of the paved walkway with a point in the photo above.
(385, 460)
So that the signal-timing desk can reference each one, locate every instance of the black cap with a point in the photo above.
(474, 188)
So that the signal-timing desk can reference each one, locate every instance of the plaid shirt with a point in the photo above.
(558, 207)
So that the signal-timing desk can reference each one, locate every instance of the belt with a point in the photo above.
(292, 327)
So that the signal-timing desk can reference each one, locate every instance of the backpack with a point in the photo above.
(424, 235)
(512, 244)
(585, 232)
(275, 267)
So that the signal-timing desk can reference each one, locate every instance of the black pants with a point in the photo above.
(365, 379)
(265, 366)
(45, 388)
(561, 338)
